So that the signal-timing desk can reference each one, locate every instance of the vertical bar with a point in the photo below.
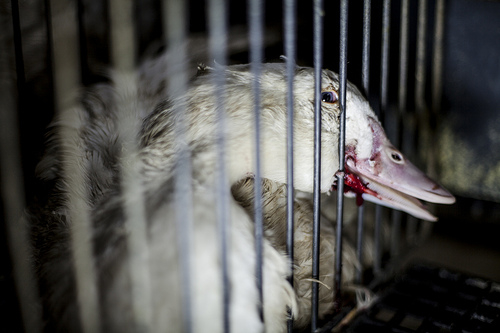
(384, 64)
(340, 175)
(290, 51)
(437, 61)
(359, 244)
(377, 244)
(402, 99)
(384, 85)
(175, 31)
(255, 11)
(82, 39)
(411, 230)
(411, 224)
(18, 47)
(420, 104)
(123, 59)
(318, 63)
(403, 57)
(429, 133)
(12, 187)
(66, 64)
(365, 74)
(290, 54)
(217, 23)
(65, 60)
(422, 130)
(365, 78)
(437, 79)
(396, 217)
(420, 62)
(81, 227)
(122, 35)
(50, 56)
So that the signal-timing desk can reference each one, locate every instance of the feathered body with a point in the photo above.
(100, 143)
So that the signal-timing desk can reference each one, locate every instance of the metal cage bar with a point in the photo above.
(397, 215)
(417, 229)
(217, 22)
(365, 78)
(420, 76)
(437, 61)
(290, 51)
(384, 85)
(66, 82)
(12, 185)
(403, 56)
(123, 46)
(318, 63)
(290, 54)
(365, 62)
(413, 223)
(175, 31)
(384, 60)
(342, 129)
(255, 13)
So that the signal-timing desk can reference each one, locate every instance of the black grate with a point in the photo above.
(431, 299)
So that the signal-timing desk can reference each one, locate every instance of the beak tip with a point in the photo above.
(434, 219)
(439, 195)
(448, 199)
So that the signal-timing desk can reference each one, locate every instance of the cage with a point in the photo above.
(98, 239)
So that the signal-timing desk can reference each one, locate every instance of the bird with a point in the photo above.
(374, 171)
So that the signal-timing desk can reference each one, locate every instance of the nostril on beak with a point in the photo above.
(396, 156)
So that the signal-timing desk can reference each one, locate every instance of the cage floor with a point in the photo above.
(432, 299)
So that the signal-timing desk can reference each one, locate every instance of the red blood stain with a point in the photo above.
(352, 183)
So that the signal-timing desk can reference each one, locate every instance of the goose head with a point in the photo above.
(374, 169)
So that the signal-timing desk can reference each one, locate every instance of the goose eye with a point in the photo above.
(329, 97)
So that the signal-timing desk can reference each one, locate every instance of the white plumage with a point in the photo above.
(368, 157)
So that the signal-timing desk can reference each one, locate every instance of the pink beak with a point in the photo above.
(389, 179)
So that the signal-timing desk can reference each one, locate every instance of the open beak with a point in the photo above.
(389, 179)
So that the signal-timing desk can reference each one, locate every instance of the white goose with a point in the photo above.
(375, 170)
